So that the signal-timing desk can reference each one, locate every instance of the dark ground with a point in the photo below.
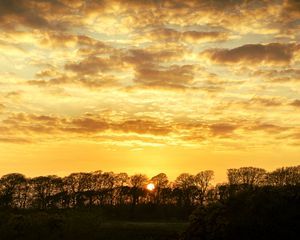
(83, 224)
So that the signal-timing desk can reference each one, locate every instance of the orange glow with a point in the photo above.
(150, 187)
(164, 93)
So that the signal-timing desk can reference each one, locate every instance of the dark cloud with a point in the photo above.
(19, 126)
(88, 124)
(88, 81)
(267, 127)
(222, 129)
(151, 57)
(254, 104)
(165, 34)
(99, 82)
(295, 136)
(292, 6)
(63, 14)
(151, 70)
(265, 102)
(98, 71)
(295, 103)
(227, 129)
(91, 65)
(85, 79)
(273, 53)
(172, 77)
(279, 75)
(33, 13)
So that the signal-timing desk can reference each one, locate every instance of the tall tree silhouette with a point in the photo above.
(137, 182)
(10, 187)
(185, 189)
(246, 176)
(160, 182)
(202, 181)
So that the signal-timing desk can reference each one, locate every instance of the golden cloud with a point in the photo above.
(99, 81)
(279, 75)
(33, 14)
(265, 102)
(272, 53)
(176, 77)
(2, 107)
(80, 47)
(168, 35)
(295, 103)
(62, 14)
(28, 128)
(223, 129)
(91, 65)
(268, 127)
(87, 124)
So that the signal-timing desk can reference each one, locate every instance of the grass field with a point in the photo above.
(84, 225)
(141, 230)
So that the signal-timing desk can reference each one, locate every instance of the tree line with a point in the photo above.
(253, 205)
(82, 190)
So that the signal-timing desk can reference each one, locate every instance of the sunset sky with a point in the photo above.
(148, 86)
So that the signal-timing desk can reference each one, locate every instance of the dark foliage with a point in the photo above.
(85, 190)
(254, 204)
(265, 212)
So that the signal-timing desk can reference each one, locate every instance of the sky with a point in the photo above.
(148, 86)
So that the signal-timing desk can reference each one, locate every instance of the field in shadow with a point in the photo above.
(83, 224)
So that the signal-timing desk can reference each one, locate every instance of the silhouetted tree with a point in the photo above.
(185, 189)
(160, 182)
(284, 176)
(44, 188)
(121, 187)
(106, 189)
(202, 181)
(249, 176)
(264, 212)
(138, 183)
(75, 186)
(12, 188)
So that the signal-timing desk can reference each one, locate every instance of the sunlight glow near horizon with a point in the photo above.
(150, 186)
(148, 86)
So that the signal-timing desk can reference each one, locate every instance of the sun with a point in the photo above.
(150, 186)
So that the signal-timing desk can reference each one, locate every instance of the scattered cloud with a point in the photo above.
(295, 103)
(2, 107)
(33, 127)
(272, 53)
(279, 76)
(33, 14)
(267, 127)
(222, 129)
(265, 102)
(90, 66)
(174, 77)
(168, 34)
(230, 68)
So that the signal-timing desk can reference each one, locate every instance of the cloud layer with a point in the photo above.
(185, 73)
